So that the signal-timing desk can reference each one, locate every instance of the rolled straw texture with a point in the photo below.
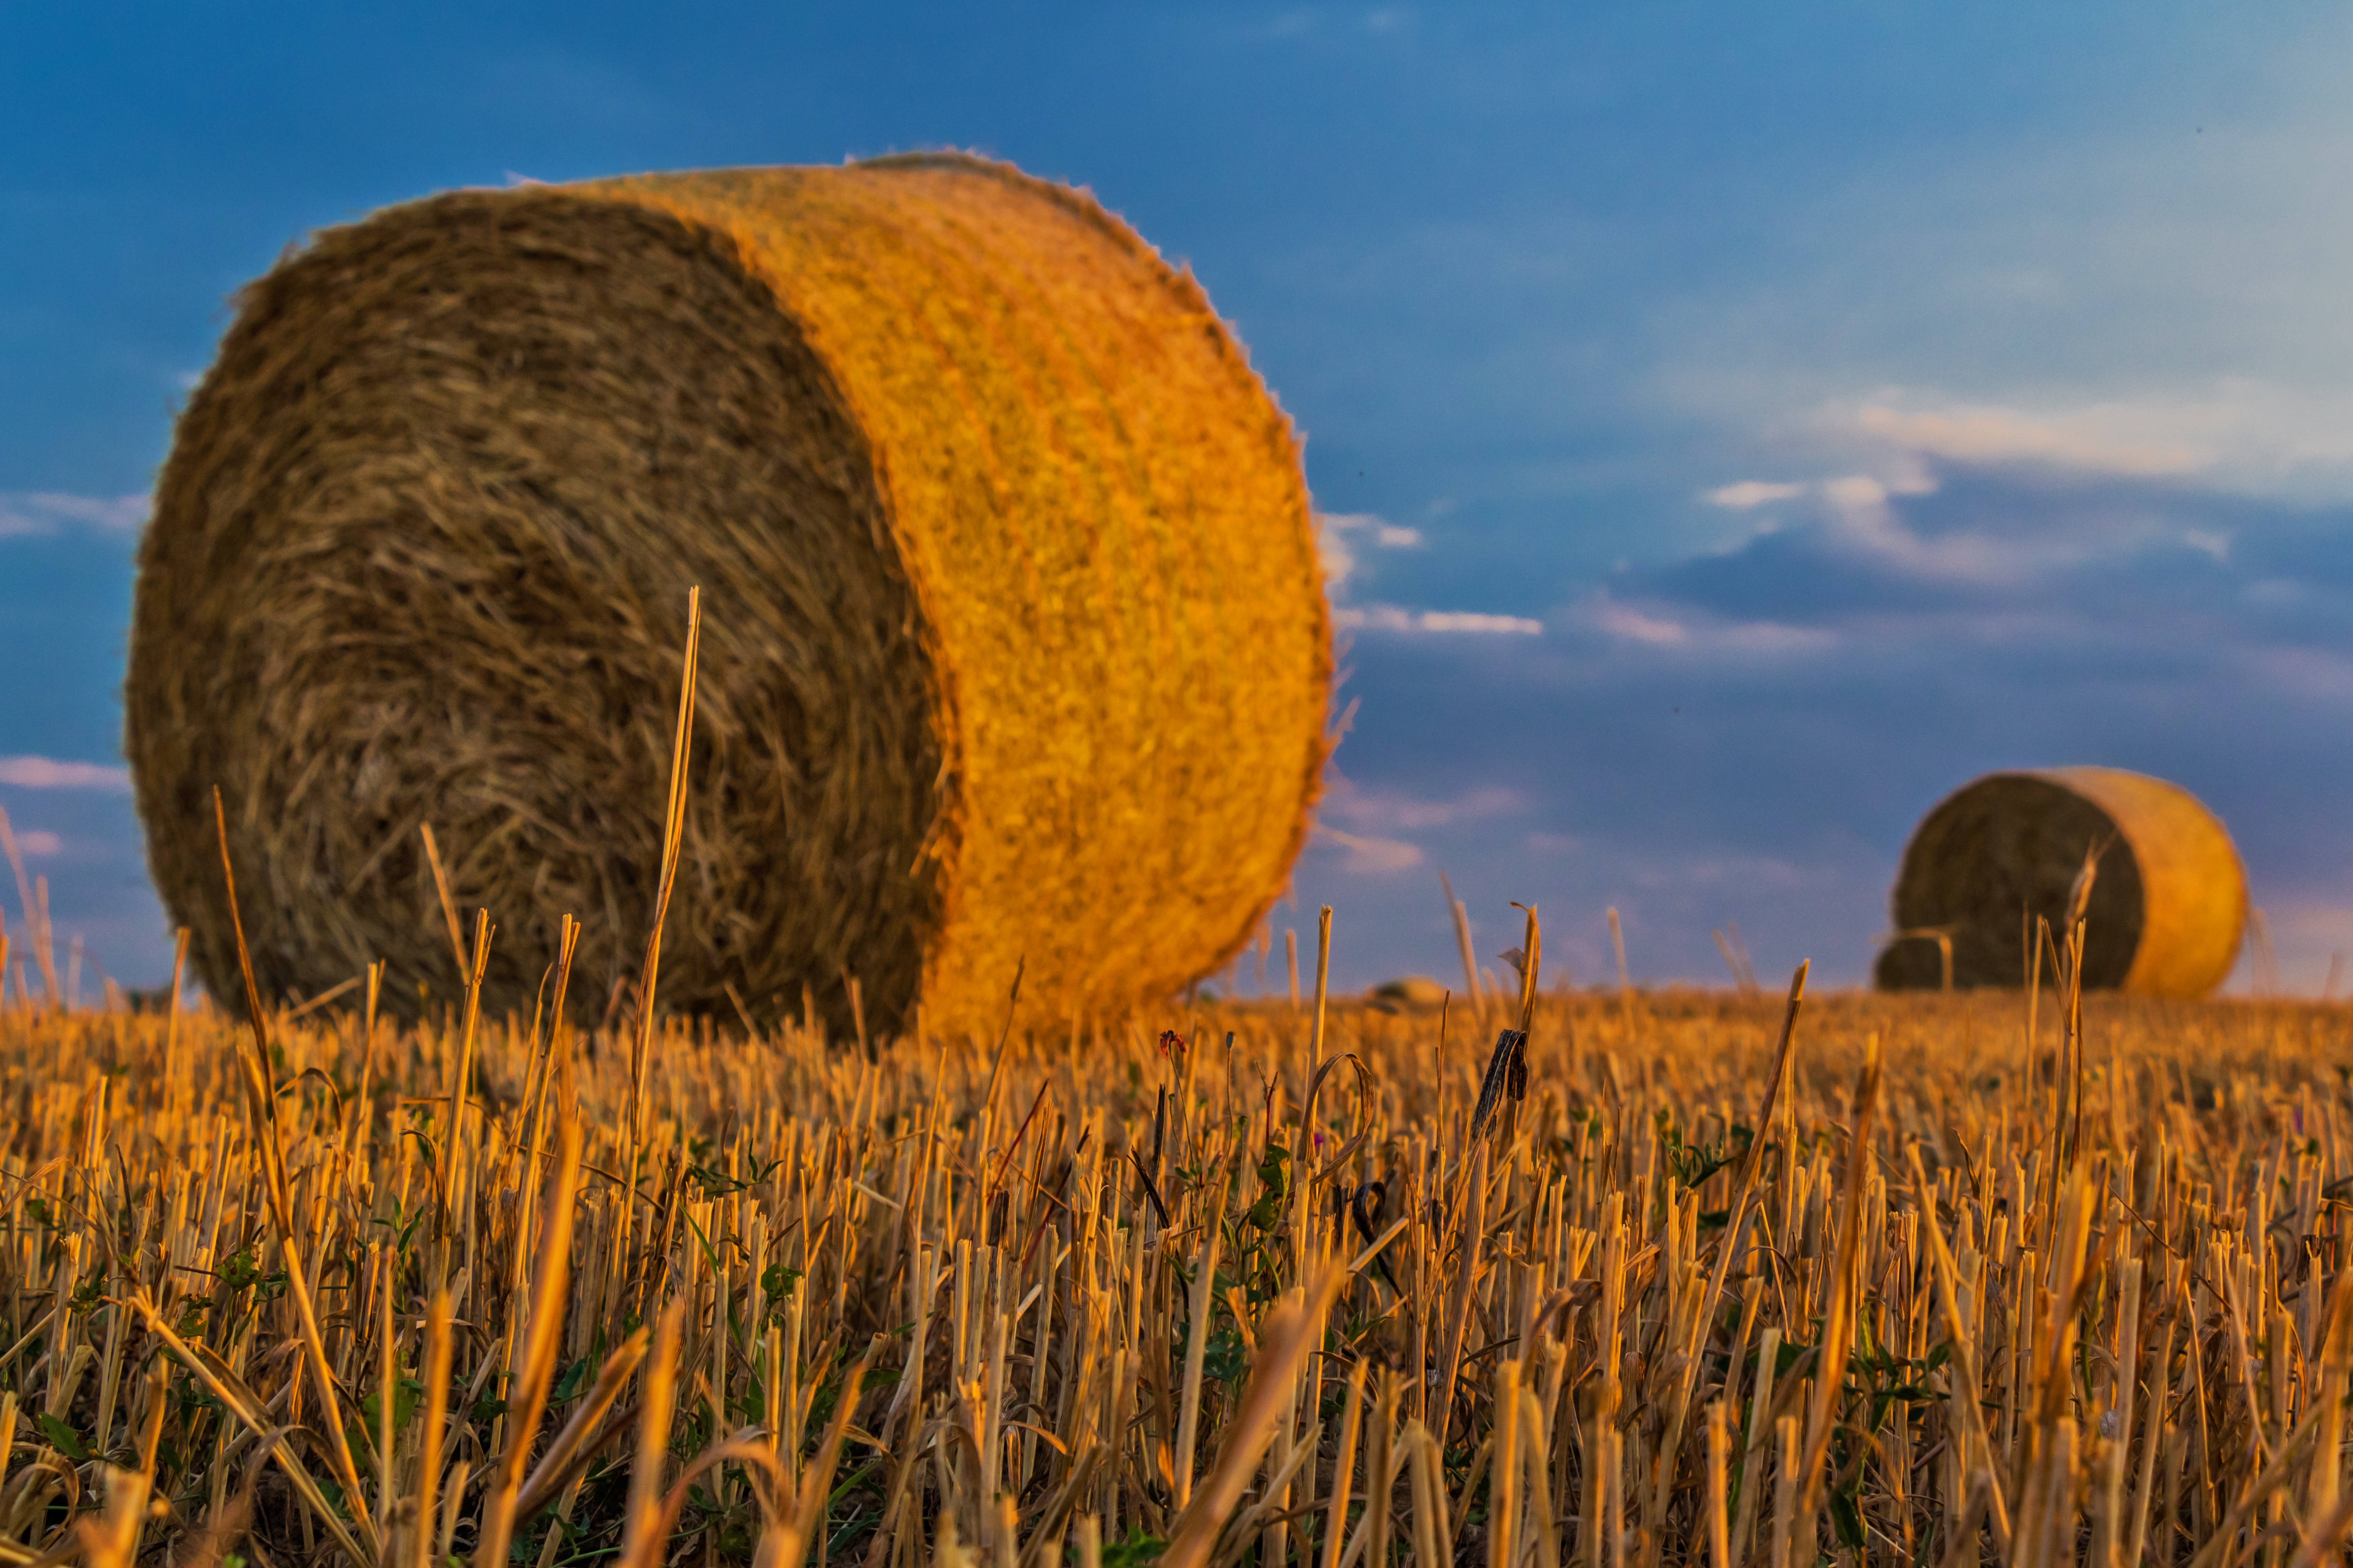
(1015, 647)
(2167, 906)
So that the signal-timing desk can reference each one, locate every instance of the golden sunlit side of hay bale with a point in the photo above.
(2167, 903)
(1014, 652)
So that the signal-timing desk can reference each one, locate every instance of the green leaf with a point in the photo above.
(1274, 1171)
(1847, 1520)
(63, 1438)
(403, 1405)
(1223, 1357)
(575, 1379)
(1138, 1550)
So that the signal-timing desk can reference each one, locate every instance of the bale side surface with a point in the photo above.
(2194, 903)
(1106, 524)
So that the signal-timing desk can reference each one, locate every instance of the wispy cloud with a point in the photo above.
(1666, 626)
(2106, 439)
(1395, 618)
(1380, 819)
(1340, 536)
(45, 772)
(2235, 434)
(1388, 811)
(1343, 538)
(27, 512)
(1749, 494)
(40, 843)
(1372, 856)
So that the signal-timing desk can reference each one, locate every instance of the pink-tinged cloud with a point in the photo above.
(2100, 440)
(45, 773)
(1381, 811)
(1750, 493)
(1373, 856)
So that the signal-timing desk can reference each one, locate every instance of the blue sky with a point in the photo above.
(1737, 426)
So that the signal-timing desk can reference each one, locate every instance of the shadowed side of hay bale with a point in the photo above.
(1014, 643)
(2166, 909)
(422, 553)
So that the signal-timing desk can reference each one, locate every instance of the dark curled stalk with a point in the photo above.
(1149, 1190)
(1508, 1075)
(1354, 1205)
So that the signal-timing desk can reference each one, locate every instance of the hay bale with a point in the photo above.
(2166, 908)
(1414, 991)
(1015, 645)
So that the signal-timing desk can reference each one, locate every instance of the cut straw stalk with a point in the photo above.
(438, 1353)
(541, 1348)
(1197, 1342)
(673, 832)
(1744, 1188)
(270, 1137)
(1285, 1340)
(1844, 1289)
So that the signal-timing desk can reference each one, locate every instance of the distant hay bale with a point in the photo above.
(1410, 991)
(1015, 646)
(2167, 905)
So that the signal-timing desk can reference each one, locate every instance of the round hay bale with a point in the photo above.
(1417, 991)
(1015, 649)
(2168, 904)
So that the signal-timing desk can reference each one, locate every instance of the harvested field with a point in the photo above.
(1122, 1294)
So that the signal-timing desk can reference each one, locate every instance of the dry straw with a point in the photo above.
(1724, 1289)
(1014, 648)
(2005, 855)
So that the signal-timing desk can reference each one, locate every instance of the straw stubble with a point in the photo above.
(2067, 1351)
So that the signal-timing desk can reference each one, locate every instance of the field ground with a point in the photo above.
(1125, 1294)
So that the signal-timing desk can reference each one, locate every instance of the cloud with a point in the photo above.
(1381, 817)
(1749, 494)
(1374, 857)
(1626, 622)
(39, 842)
(2236, 435)
(1392, 618)
(2103, 439)
(1976, 528)
(43, 772)
(26, 512)
(1666, 626)
(1339, 535)
(1387, 812)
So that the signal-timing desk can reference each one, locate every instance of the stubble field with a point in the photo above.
(1214, 1287)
